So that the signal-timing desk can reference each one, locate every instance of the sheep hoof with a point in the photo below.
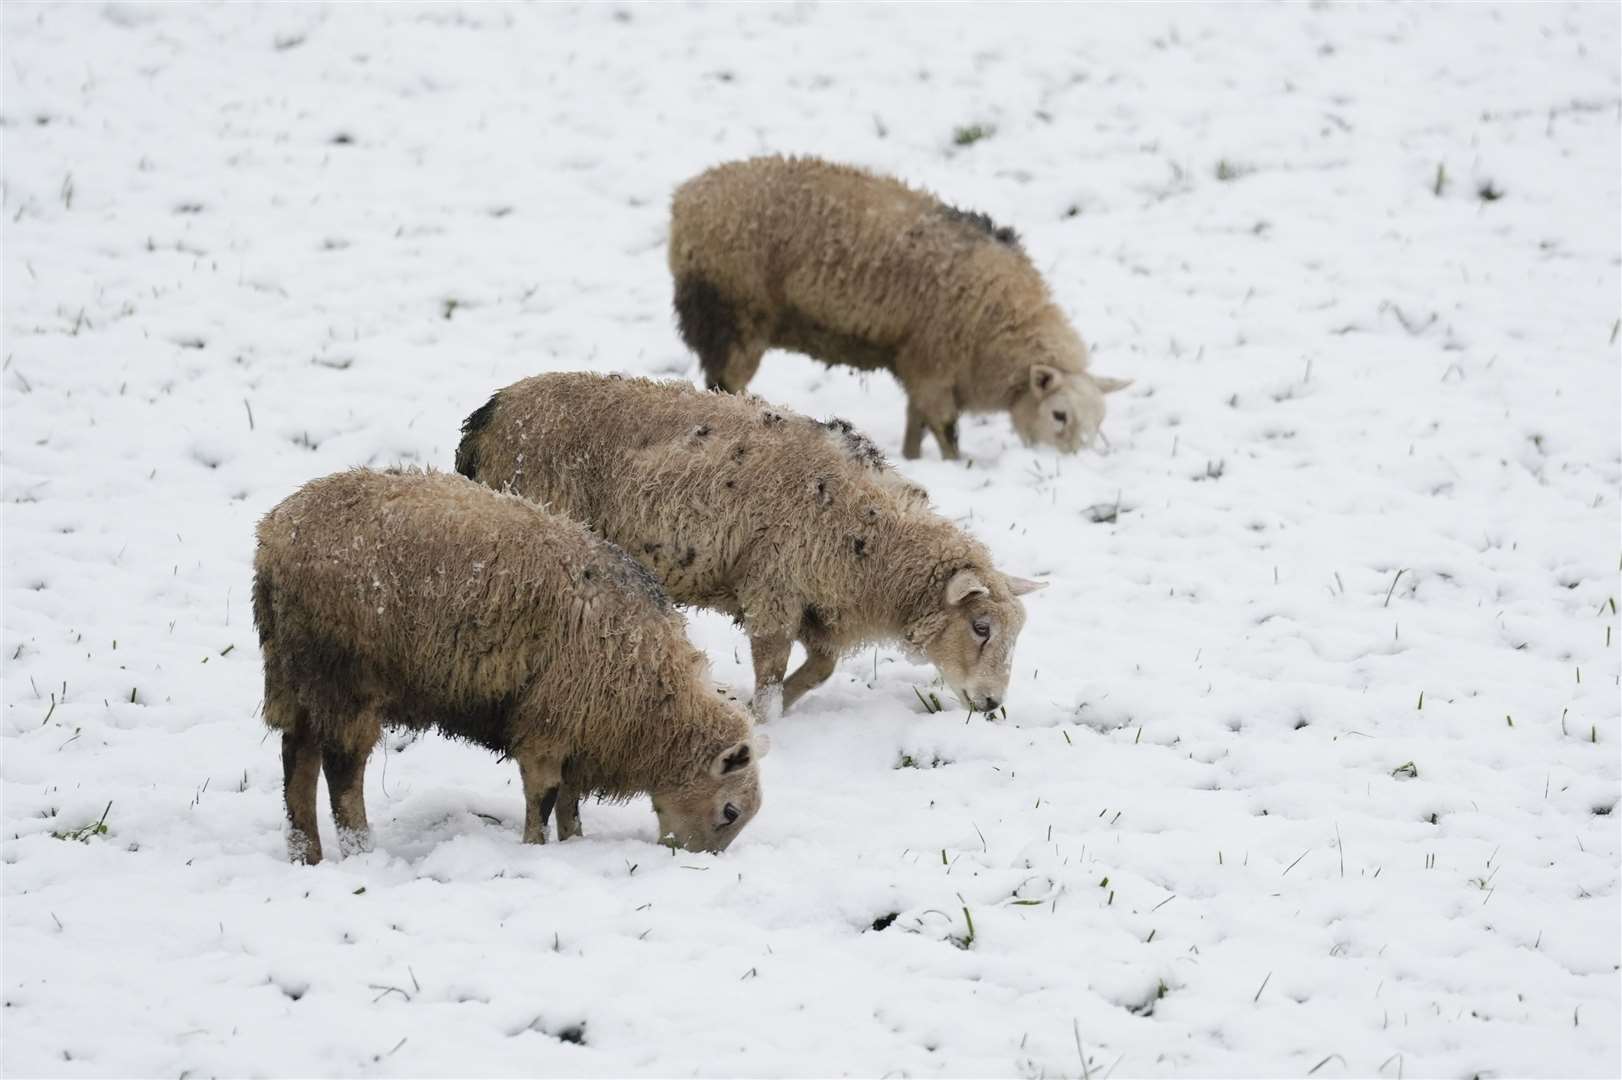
(302, 848)
(767, 704)
(354, 841)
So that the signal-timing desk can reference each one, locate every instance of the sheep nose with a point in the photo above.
(991, 704)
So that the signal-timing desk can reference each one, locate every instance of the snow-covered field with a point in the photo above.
(1311, 757)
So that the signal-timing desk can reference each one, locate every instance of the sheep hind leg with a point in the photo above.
(742, 361)
(345, 769)
(819, 665)
(912, 443)
(568, 811)
(301, 770)
(542, 774)
(714, 328)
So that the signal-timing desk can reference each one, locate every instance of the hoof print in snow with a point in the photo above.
(293, 989)
(570, 1033)
(1146, 1007)
(1105, 513)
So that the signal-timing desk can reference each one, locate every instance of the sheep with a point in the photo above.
(858, 269)
(797, 529)
(420, 600)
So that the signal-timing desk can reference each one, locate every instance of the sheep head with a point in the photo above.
(708, 812)
(970, 639)
(1062, 409)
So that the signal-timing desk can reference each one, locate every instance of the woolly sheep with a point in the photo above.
(798, 529)
(420, 600)
(858, 269)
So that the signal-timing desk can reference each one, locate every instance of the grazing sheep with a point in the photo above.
(797, 529)
(857, 269)
(404, 598)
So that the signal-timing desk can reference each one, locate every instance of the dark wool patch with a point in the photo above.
(770, 418)
(548, 800)
(858, 446)
(633, 576)
(329, 678)
(708, 324)
(687, 558)
(800, 332)
(264, 618)
(467, 451)
(812, 622)
(982, 224)
(859, 545)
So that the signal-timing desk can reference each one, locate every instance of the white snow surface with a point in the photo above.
(1310, 761)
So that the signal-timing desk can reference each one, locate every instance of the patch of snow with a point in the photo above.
(1310, 757)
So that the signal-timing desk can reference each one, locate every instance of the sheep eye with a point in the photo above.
(1060, 416)
(982, 629)
(729, 812)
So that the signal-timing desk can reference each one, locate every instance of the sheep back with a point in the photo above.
(734, 504)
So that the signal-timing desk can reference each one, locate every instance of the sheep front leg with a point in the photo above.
(771, 661)
(542, 773)
(945, 432)
(819, 664)
(934, 409)
(301, 770)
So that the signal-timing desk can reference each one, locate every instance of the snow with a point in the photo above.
(1372, 453)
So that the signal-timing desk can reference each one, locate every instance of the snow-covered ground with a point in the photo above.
(1311, 757)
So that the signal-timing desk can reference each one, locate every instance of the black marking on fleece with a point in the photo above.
(631, 575)
(860, 448)
(467, 451)
(982, 224)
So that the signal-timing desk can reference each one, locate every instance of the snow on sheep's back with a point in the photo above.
(1310, 758)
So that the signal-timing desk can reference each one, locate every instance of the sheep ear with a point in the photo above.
(1020, 586)
(1044, 378)
(964, 585)
(735, 757)
(1108, 385)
